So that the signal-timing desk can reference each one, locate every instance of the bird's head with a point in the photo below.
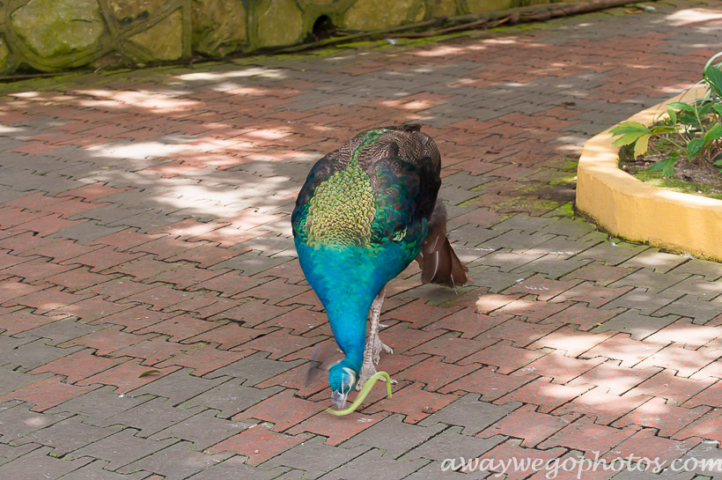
(342, 380)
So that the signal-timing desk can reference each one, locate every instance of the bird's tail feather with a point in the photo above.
(438, 262)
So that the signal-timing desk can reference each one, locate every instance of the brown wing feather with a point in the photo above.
(438, 261)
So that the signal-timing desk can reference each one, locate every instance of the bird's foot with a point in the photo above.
(368, 370)
(382, 325)
(378, 347)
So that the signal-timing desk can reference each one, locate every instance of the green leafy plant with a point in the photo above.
(692, 129)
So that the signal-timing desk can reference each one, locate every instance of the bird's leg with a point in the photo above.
(374, 345)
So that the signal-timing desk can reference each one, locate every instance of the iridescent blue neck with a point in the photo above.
(346, 280)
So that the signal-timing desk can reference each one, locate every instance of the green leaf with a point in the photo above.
(672, 115)
(694, 147)
(640, 148)
(717, 108)
(664, 166)
(687, 119)
(629, 127)
(659, 129)
(668, 169)
(628, 138)
(148, 372)
(714, 78)
(714, 133)
(682, 106)
(704, 110)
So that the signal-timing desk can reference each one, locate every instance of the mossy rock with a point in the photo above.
(219, 27)
(479, 6)
(163, 41)
(367, 15)
(52, 28)
(278, 23)
(444, 8)
(5, 63)
(126, 12)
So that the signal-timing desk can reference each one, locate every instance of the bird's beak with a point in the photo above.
(339, 400)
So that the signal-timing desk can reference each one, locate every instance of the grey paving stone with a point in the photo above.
(462, 180)
(433, 471)
(235, 468)
(34, 354)
(146, 221)
(39, 464)
(437, 294)
(655, 282)
(560, 245)
(493, 279)
(9, 453)
(613, 252)
(646, 303)
(456, 196)
(121, 448)
(24, 181)
(524, 223)
(86, 232)
(451, 443)
(176, 462)
(8, 344)
(516, 240)
(315, 458)
(98, 470)
(67, 435)
(61, 330)
(254, 368)
(637, 325)
(473, 235)
(270, 244)
(251, 263)
(204, 430)
(552, 266)
(707, 461)
(12, 380)
(231, 397)
(506, 260)
(695, 285)
(393, 436)
(573, 229)
(658, 261)
(627, 474)
(179, 386)
(691, 306)
(150, 417)
(471, 413)
(98, 404)
(373, 465)
(17, 420)
(709, 270)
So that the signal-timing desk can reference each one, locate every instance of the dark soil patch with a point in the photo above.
(695, 178)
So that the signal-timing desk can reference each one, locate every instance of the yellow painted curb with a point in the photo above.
(633, 210)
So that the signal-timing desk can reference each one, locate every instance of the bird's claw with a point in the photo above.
(377, 348)
(368, 371)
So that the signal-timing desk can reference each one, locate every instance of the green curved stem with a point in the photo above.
(365, 390)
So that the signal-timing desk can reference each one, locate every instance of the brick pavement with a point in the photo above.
(156, 325)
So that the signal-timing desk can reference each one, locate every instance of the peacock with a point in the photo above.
(365, 212)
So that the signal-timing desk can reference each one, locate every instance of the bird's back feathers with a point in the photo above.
(379, 187)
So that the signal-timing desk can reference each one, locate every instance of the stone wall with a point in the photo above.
(53, 35)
